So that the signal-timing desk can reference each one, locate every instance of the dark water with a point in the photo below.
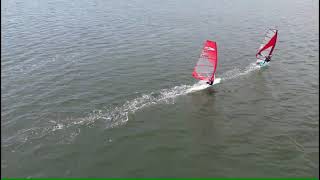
(102, 89)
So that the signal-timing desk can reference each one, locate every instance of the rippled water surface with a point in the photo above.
(104, 89)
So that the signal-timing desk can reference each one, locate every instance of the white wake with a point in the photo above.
(115, 116)
(119, 115)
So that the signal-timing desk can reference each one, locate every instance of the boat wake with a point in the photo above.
(115, 116)
(119, 115)
(234, 73)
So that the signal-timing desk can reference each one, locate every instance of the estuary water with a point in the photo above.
(95, 88)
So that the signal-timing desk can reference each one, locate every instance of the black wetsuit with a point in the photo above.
(268, 58)
(210, 82)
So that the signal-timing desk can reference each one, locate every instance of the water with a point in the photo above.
(104, 89)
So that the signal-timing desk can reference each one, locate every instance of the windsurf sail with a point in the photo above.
(207, 63)
(268, 44)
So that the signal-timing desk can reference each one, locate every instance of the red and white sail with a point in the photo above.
(268, 44)
(207, 63)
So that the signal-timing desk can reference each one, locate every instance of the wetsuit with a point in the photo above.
(268, 58)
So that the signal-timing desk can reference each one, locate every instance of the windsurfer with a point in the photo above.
(266, 48)
(207, 63)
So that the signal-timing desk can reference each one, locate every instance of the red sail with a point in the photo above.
(268, 44)
(207, 63)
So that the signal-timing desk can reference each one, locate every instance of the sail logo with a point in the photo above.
(209, 48)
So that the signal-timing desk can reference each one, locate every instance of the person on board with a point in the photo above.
(268, 58)
(210, 82)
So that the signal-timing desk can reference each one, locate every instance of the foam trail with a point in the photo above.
(116, 116)
(119, 115)
(237, 72)
(202, 85)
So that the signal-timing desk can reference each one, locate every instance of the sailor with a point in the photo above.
(210, 82)
(268, 58)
